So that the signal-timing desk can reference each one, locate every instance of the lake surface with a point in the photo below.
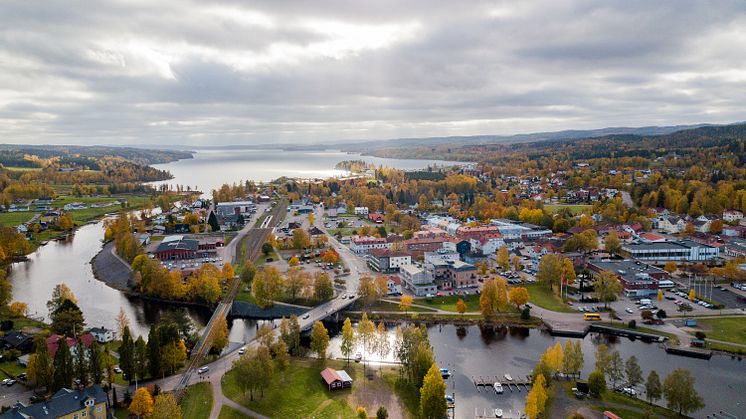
(209, 169)
(516, 351)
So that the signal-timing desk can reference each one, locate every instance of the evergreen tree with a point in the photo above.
(63, 367)
(213, 221)
(81, 364)
(127, 355)
(95, 362)
(154, 353)
(141, 358)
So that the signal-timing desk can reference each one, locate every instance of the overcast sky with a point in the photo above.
(236, 72)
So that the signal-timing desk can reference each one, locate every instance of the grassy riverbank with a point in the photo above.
(542, 296)
(197, 401)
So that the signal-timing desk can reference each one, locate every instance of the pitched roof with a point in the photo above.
(64, 402)
(329, 375)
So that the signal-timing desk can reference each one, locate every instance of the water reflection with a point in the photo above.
(470, 352)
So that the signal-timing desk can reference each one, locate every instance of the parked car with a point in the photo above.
(203, 370)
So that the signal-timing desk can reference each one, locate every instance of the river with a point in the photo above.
(516, 352)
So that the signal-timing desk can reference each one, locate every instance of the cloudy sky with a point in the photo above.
(237, 72)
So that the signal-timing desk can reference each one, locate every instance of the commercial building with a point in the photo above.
(637, 278)
(385, 260)
(681, 250)
(417, 280)
(453, 274)
(364, 244)
(235, 208)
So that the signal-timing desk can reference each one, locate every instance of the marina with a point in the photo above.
(501, 382)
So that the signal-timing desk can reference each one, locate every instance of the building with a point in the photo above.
(385, 260)
(440, 254)
(235, 208)
(479, 232)
(454, 274)
(362, 245)
(670, 224)
(361, 211)
(18, 341)
(681, 250)
(417, 280)
(732, 216)
(637, 278)
(393, 285)
(54, 341)
(177, 247)
(431, 244)
(89, 402)
(336, 380)
(102, 334)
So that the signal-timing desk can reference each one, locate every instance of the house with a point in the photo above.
(90, 402)
(336, 380)
(393, 284)
(102, 334)
(454, 274)
(54, 341)
(18, 341)
(376, 218)
(670, 224)
(732, 216)
(361, 211)
(235, 208)
(176, 247)
(652, 238)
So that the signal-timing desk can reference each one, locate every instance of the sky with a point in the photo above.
(235, 72)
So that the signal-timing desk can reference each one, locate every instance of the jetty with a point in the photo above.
(690, 352)
(487, 382)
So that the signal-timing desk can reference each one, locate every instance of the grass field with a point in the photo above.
(197, 401)
(298, 393)
(12, 219)
(542, 296)
(11, 369)
(23, 169)
(227, 412)
(575, 209)
(389, 306)
(448, 303)
(729, 329)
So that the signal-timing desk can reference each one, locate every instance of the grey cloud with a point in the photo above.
(296, 71)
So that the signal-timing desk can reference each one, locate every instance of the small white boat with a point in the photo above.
(498, 413)
(358, 357)
(498, 388)
(508, 377)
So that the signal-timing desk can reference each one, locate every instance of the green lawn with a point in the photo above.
(542, 296)
(575, 209)
(298, 393)
(12, 219)
(227, 412)
(729, 329)
(389, 306)
(197, 401)
(23, 169)
(448, 303)
(11, 369)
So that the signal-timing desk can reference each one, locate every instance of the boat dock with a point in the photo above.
(518, 383)
(690, 352)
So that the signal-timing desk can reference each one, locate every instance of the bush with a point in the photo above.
(382, 413)
(632, 324)
(526, 313)
(6, 325)
(597, 383)
(700, 334)
(661, 314)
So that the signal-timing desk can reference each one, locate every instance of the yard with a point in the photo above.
(299, 392)
(542, 296)
(227, 412)
(574, 208)
(729, 329)
(448, 303)
(197, 401)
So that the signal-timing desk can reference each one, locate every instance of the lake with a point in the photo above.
(211, 168)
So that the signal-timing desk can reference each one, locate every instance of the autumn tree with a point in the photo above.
(18, 309)
(220, 335)
(653, 388)
(405, 303)
(348, 339)
(536, 398)
(60, 294)
(681, 396)
(319, 339)
(166, 407)
(503, 258)
(323, 289)
(612, 244)
(432, 403)
(518, 296)
(142, 403)
(494, 297)
(266, 286)
(670, 267)
(633, 371)
(607, 287)
(461, 306)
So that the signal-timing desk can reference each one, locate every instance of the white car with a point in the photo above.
(628, 310)
(305, 316)
(242, 351)
(203, 370)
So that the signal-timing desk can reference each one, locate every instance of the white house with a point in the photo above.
(360, 244)
(102, 334)
(394, 285)
(671, 224)
(732, 216)
(361, 211)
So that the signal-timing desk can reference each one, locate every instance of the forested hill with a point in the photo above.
(728, 138)
(15, 154)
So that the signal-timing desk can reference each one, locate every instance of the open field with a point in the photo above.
(197, 401)
(574, 208)
(448, 303)
(227, 412)
(729, 329)
(542, 296)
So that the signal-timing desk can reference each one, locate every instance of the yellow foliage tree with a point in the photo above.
(405, 303)
(18, 309)
(293, 261)
(518, 296)
(461, 306)
(142, 403)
